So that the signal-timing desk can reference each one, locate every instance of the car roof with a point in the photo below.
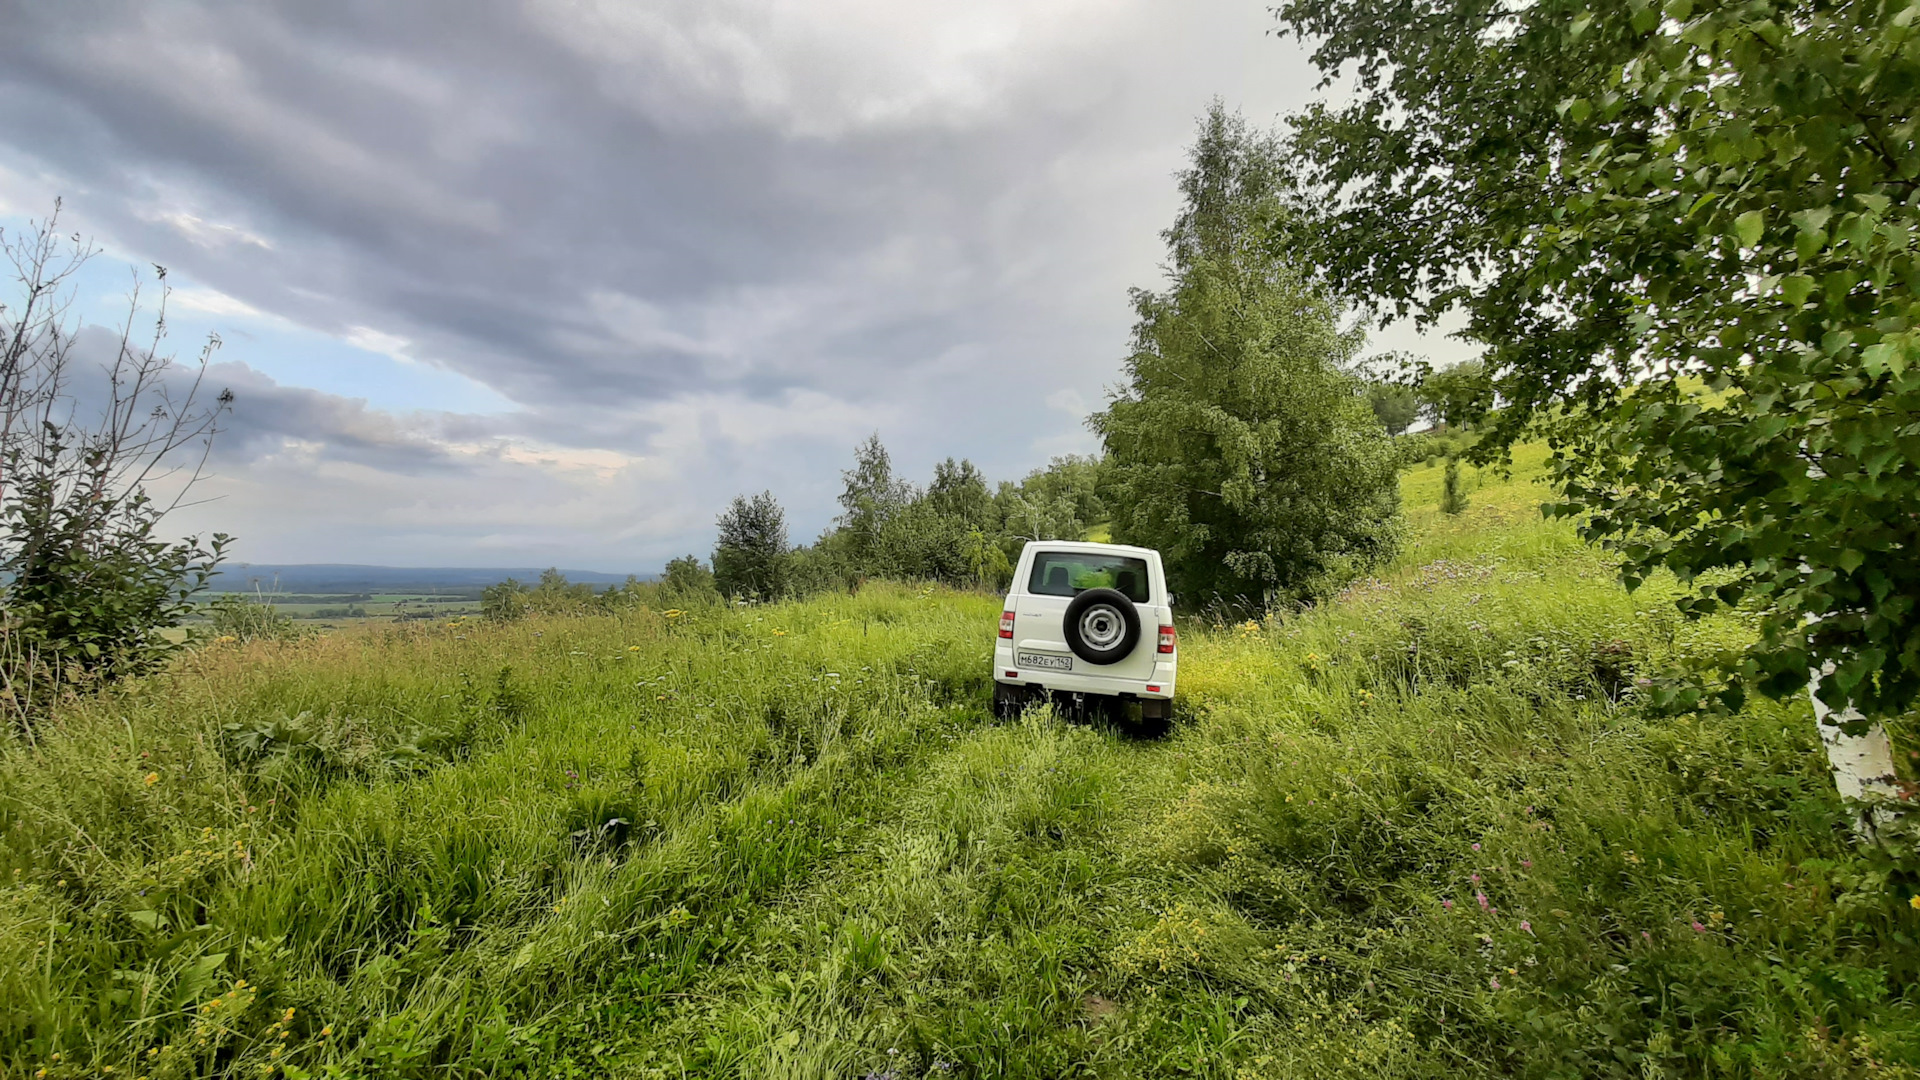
(1088, 547)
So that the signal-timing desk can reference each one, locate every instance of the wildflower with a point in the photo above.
(326, 1031)
(1697, 928)
(633, 648)
(1482, 898)
(1494, 982)
(1914, 903)
(152, 778)
(779, 633)
(1526, 925)
(1476, 847)
(1448, 904)
(673, 613)
(1475, 878)
(1526, 864)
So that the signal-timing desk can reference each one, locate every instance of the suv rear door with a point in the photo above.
(1053, 578)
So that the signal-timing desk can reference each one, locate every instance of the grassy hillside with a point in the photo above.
(1422, 831)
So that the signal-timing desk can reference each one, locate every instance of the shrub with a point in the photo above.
(86, 584)
(1453, 492)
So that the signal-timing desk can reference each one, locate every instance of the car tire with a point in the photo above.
(1102, 626)
(1009, 701)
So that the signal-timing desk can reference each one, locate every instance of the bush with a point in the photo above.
(241, 619)
(1453, 491)
(750, 554)
(86, 585)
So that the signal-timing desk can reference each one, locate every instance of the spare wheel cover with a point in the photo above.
(1102, 626)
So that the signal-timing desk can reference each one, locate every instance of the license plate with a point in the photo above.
(1043, 661)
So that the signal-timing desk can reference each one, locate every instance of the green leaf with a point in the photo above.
(1875, 358)
(1814, 218)
(1749, 226)
(1795, 289)
(1808, 242)
(1851, 560)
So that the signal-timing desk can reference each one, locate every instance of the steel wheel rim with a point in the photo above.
(1102, 627)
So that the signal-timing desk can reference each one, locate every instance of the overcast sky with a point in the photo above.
(529, 282)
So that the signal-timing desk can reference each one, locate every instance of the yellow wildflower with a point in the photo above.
(1914, 903)
(153, 778)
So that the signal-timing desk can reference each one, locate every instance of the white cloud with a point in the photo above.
(210, 234)
(213, 302)
(376, 341)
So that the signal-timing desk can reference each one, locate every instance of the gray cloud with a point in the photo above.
(713, 240)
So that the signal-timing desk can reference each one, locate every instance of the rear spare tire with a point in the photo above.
(1101, 626)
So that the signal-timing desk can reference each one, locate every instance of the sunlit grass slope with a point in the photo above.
(1421, 831)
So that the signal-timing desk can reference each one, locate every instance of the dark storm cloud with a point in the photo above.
(461, 173)
(704, 245)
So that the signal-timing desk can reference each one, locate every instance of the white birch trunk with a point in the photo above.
(1862, 764)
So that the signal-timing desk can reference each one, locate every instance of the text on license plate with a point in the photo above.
(1043, 661)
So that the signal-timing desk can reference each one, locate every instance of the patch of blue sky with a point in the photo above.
(360, 364)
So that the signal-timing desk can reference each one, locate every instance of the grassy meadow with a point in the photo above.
(1421, 831)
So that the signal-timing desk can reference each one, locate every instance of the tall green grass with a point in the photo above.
(1423, 830)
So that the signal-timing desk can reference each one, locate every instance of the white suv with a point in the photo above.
(1090, 621)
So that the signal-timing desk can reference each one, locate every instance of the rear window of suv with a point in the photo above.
(1069, 573)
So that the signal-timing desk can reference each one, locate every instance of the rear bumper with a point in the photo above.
(1161, 682)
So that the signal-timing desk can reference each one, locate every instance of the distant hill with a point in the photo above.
(350, 578)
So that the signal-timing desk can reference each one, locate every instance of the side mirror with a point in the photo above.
(1172, 599)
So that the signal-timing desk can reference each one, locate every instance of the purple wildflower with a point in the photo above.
(1476, 847)
(1448, 904)
(1482, 897)
(1697, 928)
(1526, 925)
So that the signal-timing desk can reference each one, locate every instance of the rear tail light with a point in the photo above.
(1166, 638)
(1006, 624)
